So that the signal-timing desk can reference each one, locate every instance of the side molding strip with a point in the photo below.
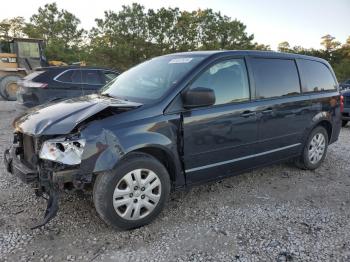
(240, 158)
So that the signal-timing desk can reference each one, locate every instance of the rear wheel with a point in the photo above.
(344, 123)
(315, 149)
(134, 193)
(8, 87)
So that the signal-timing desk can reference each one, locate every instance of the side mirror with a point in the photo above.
(198, 97)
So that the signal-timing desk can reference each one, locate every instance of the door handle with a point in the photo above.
(248, 114)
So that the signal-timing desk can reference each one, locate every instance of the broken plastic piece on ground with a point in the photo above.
(51, 209)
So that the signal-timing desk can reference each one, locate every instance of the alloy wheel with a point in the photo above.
(137, 194)
(317, 148)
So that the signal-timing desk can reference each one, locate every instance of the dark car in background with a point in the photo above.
(346, 109)
(176, 121)
(345, 85)
(54, 83)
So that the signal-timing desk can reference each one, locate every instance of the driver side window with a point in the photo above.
(228, 79)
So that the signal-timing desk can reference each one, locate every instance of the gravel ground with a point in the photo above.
(277, 213)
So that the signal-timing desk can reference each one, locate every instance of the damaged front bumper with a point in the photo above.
(101, 152)
(14, 165)
(47, 184)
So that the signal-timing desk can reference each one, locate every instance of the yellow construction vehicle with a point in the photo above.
(18, 58)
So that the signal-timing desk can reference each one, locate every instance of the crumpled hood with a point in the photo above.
(62, 117)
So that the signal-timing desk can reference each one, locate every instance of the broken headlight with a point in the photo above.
(64, 151)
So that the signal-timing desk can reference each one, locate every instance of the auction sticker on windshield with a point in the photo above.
(180, 60)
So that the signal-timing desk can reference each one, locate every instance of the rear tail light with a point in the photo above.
(341, 104)
(33, 84)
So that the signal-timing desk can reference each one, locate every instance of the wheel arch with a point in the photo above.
(321, 119)
(167, 158)
(328, 126)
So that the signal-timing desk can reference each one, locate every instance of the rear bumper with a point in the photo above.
(14, 165)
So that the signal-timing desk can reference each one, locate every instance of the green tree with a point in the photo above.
(221, 32)
(12, 27)
(329, 43)
(60, 30)
(284, 47)
(134, 34)
(121, 38)
(342, 61)
(162, 29)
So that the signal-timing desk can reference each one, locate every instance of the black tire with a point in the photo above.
(106, 183)
(304, 161)
(344, 123)
(4, 87)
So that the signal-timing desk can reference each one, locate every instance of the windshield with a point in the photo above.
(150, 80)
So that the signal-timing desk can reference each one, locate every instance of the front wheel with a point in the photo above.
(315, 149)
(134, 193)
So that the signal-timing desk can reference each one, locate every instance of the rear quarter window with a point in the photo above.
(275, 77)
(315, 76)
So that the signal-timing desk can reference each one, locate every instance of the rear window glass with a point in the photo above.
(71, 76)
(275, 77)
(315, 76)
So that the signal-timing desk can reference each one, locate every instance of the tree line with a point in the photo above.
(133, 34)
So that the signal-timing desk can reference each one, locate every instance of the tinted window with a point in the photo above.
(228, 79)
(92, 77)
(275, 77)
(347, 82)
(71, 76)
(316, 76)
(109, 76)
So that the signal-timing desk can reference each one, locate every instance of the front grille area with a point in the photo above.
(28, 149)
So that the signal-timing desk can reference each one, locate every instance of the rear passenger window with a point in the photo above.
(275, 77)
(70, 76)
(315, 76)
(228, 79)
(92, 77)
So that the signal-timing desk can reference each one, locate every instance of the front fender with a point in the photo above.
(105, 145)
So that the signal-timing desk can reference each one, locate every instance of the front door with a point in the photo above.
(219, 139)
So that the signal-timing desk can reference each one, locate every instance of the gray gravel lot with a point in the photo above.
(277, 213)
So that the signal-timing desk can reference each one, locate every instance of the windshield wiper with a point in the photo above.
(115, 97)
(107, 95)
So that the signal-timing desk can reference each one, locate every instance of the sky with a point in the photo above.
(300, 22)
